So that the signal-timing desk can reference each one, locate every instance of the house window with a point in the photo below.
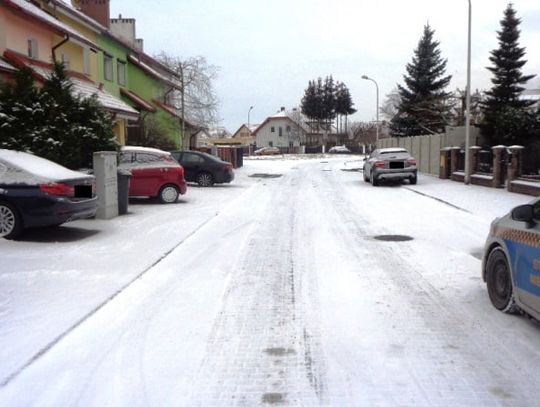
(280, 131)
(270, 144)
(121, 68)
(288, 129)
(86, 61)
(65, 60)
(32, 48)
(290, 144)
(108, 67)
(272, 130)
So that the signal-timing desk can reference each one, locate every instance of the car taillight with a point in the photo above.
(57, 189)
(379, 164)
(411, 161)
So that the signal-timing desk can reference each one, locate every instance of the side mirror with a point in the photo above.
(524, 213)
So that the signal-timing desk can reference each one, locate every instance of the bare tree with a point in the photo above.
(363, 133)
(196, 99)
(389, 106)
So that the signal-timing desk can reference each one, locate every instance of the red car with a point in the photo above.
(154, 173)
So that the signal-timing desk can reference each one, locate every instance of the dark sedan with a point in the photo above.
(203, 168)
(36, 192)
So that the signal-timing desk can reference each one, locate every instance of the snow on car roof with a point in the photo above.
(393, 150)
(36, 169)
(143, 149)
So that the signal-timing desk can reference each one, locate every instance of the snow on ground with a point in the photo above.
(265, 291)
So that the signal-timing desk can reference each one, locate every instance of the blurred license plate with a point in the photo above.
(83, 191)
(396, 164)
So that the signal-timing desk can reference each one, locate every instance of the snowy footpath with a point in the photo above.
(274, 290)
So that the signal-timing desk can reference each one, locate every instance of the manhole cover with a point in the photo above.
(265, 175)
(393, 238)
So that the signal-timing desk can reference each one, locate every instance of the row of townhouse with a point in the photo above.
(102, 57)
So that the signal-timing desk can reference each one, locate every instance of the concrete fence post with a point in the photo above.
(105, 171)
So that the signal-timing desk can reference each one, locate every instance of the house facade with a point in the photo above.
(32, 37)
(134, 87)
(282, 131)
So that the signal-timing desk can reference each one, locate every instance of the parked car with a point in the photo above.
(35, 192)
(154, 173)
(511, 260)
(390, 164)
(339, 150)
(267, 151)
(204, 169)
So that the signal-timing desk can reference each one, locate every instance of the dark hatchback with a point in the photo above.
(203, 168)
(35, 192)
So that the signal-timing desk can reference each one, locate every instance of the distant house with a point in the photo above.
(284, 130)
(245, 134)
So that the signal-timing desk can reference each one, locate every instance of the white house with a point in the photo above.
(284, 130)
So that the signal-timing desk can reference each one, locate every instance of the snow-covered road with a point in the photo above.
(269, 291)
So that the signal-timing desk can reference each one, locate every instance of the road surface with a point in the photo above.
(288, 297)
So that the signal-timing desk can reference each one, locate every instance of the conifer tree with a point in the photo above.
(423, 104)
(53, 122)
(505, 113)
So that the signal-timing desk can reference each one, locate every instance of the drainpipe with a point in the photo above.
(66, 39)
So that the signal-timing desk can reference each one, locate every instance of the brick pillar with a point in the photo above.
(497, 166)
(473, 159)
(514, 169)
(444, 163)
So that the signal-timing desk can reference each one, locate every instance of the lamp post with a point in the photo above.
(249, 111)
(377, 107)
(467, 179)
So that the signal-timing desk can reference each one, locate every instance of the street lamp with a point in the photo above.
(377, 107)
(467, 179)
(249, 111)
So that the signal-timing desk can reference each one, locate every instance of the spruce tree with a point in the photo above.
(53, 122)
(423, 101)
(505, 116)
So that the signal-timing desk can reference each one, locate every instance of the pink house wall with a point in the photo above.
(16, 31)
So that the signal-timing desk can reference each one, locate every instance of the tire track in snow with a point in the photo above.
(436, 337)
(264, 347)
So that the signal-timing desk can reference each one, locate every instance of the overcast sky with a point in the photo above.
(267, 51)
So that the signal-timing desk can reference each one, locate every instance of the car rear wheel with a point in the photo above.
(413, 180)
(168, 194)
(499, 282)
(373, 180)
(205, 179)
(10, 221)
(366, 179)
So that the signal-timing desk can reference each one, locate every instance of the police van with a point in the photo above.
(511, 261)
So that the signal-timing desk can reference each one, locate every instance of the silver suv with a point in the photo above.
(390, 164)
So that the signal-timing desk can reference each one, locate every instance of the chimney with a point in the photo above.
(95, 9)
(282, 108)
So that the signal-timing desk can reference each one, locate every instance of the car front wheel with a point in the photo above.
(168, 194)
(413, 180)
(10, 221)
(499, 282)
(205, 179)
